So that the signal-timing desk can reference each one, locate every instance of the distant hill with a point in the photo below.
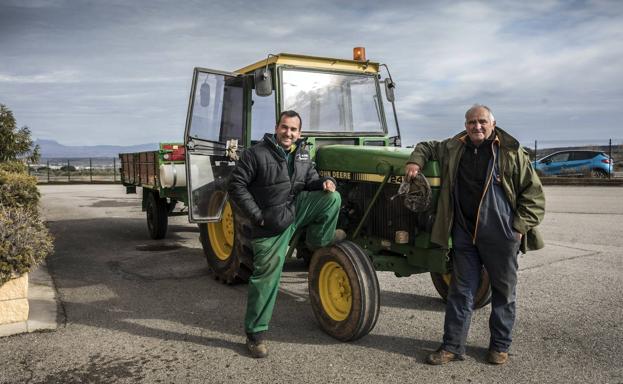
(52, 149)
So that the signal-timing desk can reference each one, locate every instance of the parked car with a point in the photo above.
(575, 163)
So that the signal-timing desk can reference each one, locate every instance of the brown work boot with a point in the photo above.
(495, 357)
(257, 348)
(441, 356)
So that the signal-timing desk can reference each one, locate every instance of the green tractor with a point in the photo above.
(349, 119)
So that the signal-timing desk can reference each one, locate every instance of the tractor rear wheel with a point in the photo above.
(441, 281)
(344, 291)
(227, 244)
(157, 215)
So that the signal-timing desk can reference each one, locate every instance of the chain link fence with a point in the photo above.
(76, 170)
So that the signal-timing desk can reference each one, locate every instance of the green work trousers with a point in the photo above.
(318, 212)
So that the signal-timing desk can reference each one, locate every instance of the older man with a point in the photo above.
(490, 203)
(276, 185)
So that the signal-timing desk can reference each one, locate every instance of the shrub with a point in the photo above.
(18, 190)
(24, 242)
(14, 167)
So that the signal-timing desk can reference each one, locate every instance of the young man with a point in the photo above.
(276, 185)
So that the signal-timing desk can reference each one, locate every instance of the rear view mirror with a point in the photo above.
(204, 94)
(389, 90)
(263, 82)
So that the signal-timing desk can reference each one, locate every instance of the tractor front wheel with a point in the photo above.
(344, 291)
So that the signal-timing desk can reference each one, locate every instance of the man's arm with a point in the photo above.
(422, 153)
(313, 182)
(241, 177)
(530, 198)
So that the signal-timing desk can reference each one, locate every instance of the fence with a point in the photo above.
(76, 170)
(105, 169)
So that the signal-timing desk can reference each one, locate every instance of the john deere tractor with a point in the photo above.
(349, 119)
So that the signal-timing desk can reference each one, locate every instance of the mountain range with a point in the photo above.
(53, 149)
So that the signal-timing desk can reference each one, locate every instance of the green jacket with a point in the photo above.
(519, 181)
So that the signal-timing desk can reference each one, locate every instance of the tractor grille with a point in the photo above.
(386, 217)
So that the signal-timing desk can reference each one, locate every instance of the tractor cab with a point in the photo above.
(340, 102)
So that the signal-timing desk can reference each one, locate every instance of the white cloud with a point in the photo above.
(67, 76)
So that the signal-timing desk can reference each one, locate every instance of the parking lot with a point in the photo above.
(137, 310)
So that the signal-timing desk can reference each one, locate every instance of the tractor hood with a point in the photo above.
(362, 159)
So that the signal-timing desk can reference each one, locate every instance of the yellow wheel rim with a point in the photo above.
(447, 277)
(335, 291)
(222, 234)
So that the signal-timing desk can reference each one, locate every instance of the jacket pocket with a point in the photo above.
(278, 217)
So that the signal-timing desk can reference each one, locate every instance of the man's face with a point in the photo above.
(479, 125)
(287, 131)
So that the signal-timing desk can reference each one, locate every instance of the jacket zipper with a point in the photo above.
(452, 180)
(487, 184)
(292, 178)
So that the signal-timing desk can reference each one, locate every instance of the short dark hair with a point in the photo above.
(290, 113)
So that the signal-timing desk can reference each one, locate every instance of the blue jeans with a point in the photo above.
(498, 254)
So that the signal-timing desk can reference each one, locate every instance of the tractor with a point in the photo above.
(349, 120)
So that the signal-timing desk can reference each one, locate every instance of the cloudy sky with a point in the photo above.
(118, 72)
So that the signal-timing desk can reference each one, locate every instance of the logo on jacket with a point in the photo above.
(302, 156)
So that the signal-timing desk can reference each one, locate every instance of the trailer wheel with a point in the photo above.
(441, 281)
(157, 219)
(227, 244)
(344, 291)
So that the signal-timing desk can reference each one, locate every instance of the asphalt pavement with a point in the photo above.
(135, 310)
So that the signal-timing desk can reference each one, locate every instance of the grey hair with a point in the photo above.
(478, 106)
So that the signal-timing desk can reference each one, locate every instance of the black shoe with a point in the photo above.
(256, 344)
(258, 348)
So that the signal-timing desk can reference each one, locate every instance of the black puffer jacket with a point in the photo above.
(262, 188)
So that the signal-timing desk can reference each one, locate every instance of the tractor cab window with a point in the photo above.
(217, 113)
(333, 102)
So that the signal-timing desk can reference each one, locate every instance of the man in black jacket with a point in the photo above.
(276, 186)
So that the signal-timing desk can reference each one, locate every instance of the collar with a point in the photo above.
(502, 139)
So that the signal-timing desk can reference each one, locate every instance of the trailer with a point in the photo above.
(162, 177)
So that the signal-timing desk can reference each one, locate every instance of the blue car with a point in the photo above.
(575, 163)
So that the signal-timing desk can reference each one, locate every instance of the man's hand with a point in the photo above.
(328, 186)
(411, 170)
(518, 235)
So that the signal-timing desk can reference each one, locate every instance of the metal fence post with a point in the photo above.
(114, 169)
(611, 167)
(48, 171)
(68, 172)
(90, 170)
(535, 149)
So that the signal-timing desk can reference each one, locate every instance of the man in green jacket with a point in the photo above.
(491, 200)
